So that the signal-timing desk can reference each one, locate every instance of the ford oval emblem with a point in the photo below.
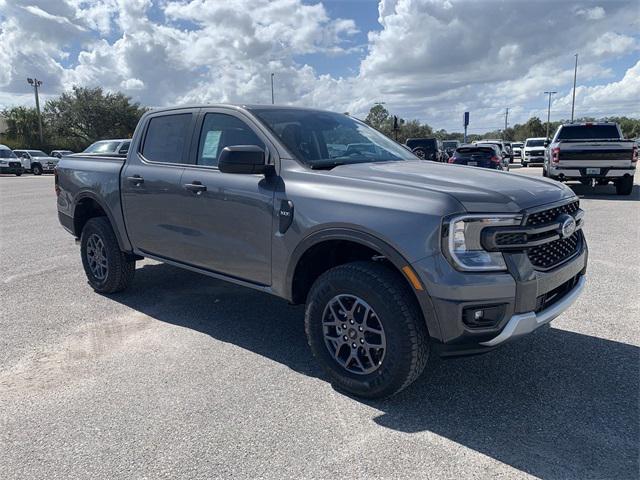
(567, 226)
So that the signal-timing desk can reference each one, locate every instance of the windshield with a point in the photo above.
(587, 132)
(37, 153)
(446, 144)
(326, 139)
(107, 146)
(7, 154)
(535, 143)
(516, 145)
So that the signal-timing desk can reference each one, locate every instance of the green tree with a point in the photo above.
(22, 128)
(83, 115)
(378, 117)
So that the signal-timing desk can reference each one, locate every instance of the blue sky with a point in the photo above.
(429, 60)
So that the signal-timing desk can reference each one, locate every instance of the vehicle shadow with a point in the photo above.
(603, 192)
(555, 404)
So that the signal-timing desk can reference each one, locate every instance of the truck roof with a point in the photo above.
(238, 106)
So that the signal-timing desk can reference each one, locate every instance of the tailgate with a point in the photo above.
(596, 154)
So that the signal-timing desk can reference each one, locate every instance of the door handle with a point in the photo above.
(136, 180)
(196, 187)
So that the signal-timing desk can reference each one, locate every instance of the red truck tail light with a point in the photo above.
(634, 154)
(452, 159)
(495, 159)
(555, 155)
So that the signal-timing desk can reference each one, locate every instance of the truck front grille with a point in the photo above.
(554, 253)
(548, 216)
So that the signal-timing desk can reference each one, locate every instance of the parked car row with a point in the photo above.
(37, 162)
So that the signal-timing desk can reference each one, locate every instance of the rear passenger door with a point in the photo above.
(227, 218)
(150, 183)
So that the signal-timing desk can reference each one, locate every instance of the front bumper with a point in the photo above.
(12, 170)
(524, 323)
(533, 160)
(520, 293)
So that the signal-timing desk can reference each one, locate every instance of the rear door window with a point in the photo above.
(167, 138)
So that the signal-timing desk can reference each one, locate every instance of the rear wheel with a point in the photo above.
(366, 330)
(18, 173)
(108, 269)
(420, 153)
(624, 186)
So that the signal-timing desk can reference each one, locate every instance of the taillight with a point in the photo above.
(452, 159)
(634, 154)
(555, 155)
(495, 159)
(56, 187)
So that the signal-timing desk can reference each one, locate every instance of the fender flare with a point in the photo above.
(124, 245)
(375, 243)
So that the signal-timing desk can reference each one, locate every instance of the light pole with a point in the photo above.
(37, 83)
(549, 110)
(575, 74)
(272, 97)
(506, 123)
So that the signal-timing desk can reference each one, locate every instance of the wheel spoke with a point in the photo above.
(365, 339)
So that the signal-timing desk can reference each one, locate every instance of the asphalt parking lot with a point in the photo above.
(186, 376)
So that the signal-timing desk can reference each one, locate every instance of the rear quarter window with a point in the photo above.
(167, 138)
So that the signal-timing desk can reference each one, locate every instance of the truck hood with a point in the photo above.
(478, 190)
(47, 159)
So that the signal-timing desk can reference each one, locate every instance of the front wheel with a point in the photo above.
(366, 330)
(108, 269)
(36, 170)
(624, 186)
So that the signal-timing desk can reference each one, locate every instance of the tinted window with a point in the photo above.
(103, 147)
(535, 143)
(469, 152)
(124, 148)
(166, 140)
(426, 143)
(37, 153)
(220, 131)
(7, 154)
(588, 132)
(326, 139)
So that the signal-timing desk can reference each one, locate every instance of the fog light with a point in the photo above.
(483, 316)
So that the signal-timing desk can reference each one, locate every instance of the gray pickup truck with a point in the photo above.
(393, 256)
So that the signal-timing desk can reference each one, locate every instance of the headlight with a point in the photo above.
(4, 162)
(461, 242)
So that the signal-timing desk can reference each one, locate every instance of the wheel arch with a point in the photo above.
(87, 205)
(298, 284)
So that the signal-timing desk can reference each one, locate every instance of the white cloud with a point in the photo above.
(429, 59)
(595, 13)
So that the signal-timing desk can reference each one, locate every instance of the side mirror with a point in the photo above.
(247, 159)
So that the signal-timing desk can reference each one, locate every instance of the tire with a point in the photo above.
(117, 268)
(18, 174)
(404, 332)
(624, 186)
(524, 164)
(36, 169)
(420, 153)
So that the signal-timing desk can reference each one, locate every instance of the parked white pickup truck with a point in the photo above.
(594, 153)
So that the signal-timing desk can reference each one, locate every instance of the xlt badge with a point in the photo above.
(286, 215)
